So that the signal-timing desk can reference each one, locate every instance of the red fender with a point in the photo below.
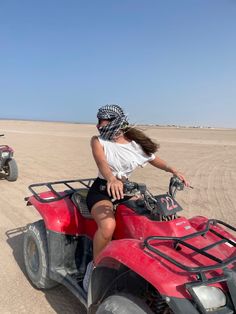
(63, 216)
(171, 279)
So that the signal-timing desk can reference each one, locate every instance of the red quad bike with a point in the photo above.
(157, 262)
(8, 165)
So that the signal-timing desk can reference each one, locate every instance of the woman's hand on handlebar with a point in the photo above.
(115, 188)
(182, 178)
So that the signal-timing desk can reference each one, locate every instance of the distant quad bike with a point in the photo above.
(157, 262)
(8, 165)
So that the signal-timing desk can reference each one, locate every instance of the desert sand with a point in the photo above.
(47, 151)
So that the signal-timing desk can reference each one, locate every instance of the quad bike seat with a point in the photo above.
(79, 199)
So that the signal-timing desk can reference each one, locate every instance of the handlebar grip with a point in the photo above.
(130, 186)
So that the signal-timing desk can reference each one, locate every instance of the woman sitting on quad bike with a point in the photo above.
(118, 150)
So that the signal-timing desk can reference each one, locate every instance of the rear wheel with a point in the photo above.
(123, 303)
(36, 256)
(11, 170)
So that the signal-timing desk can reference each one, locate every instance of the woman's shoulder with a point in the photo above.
(94, 137)
(98, 139)
(135, 145)
(95, 140)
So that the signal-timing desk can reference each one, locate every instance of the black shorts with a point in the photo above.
(97, 192)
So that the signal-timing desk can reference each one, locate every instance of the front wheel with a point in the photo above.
(123, 303)
(11, 170)
(36, 256)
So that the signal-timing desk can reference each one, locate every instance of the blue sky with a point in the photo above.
(164, 62)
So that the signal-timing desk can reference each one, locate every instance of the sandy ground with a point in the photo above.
(54, 151)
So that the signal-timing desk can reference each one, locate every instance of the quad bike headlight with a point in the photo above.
(210, 297)
(5, 154)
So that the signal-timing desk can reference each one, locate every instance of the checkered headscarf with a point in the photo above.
(117, 118)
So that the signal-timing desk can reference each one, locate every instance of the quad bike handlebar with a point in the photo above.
(132, 188)
(162, 206)
(175, 185)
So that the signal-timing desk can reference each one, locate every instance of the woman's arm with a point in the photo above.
(161, 164)
(114, 186)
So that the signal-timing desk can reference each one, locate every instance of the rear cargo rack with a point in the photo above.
(202, 251)
(51, 187)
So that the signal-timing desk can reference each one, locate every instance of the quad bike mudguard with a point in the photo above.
(63, 216)
(59, 212)
(204, 254)
(149, 264)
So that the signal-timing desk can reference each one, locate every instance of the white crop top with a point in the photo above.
(124, 158)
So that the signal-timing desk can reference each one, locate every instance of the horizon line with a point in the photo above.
(141, 124)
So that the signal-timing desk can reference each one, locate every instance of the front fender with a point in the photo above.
(164, 276)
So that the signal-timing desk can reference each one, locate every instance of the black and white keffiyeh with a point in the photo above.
(117, 117)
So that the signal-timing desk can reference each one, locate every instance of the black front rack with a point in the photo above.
(181, 240)
(51, 187)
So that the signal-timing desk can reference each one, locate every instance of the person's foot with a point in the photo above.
(87, 276)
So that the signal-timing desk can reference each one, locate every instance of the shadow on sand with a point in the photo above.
(60, 299)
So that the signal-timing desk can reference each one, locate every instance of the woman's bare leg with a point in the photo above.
(102, 213)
